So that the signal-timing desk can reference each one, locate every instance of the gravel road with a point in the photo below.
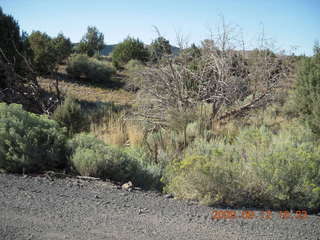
(68, 208)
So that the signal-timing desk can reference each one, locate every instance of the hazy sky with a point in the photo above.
(289, 23)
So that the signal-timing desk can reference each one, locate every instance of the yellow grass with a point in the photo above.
(115, 130)
(89, 93)
(112, 131)
(135, 134)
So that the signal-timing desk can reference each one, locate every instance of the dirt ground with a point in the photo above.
(69, 208)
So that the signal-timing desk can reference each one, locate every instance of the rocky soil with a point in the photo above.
(42, 207)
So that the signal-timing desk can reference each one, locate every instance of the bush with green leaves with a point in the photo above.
(29, 142)
(288, 168)
(92, 42)
(44, 55)
(208, 179)
(307, 92)
(151, 172)
(92, 157)
(159, 48)
(12, 44)
(70, 115)
(10, 36)
(130, 48)
(90, 69)
(258, 169)
(62, 47)
(132, 69)
(134, 65)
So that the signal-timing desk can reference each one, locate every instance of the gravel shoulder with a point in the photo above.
(69, 208)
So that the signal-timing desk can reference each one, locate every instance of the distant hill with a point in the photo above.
(109, 48)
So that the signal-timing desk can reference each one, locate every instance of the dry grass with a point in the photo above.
(115, 130)
(89, 93)
(112, 131)
(135, 134)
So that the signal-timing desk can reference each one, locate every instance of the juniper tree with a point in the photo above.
(130, 48)
(307, 91)
(159, 47)
(92, 42)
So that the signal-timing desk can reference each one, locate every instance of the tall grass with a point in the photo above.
(115, 129)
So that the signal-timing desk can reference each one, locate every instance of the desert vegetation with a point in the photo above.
(216, 123)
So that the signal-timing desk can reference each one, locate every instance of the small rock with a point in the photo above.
(140, 211)
(127, 186)
(96, 196)
(30, 237)
(168, 196)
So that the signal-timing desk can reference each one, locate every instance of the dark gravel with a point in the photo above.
(69, 208)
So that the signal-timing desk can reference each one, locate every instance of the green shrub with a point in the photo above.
(62, 47)
(130, 48)
(159, 48)
(29, 142)
(258, 169)
(209, 179)
(90, 69)
(44, 53)
(70, 115)
(289, 169)
(133, 80)
(134, 65)
(152, 172)
(307, 92)
(12, 45)
(92, 157)
(92, 42)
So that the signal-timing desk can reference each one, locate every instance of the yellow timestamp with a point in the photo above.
(264, 214)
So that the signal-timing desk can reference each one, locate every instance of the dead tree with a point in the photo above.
(232, 81)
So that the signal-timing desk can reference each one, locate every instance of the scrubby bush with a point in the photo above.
(90, 69)
(29, 142)
(209, 179)
(70, 115)
(92, 157)
(307, 94)
(258, 169)
(159, 48)
(152, 171)
(130, 48)
(78, 65)
(133, 67)
(288, 168)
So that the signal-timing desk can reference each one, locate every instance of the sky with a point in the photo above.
(290, 25)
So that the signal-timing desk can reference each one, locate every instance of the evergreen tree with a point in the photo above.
(45, 58)
(12, 44)
(307, 93)
(159, 48)
(92, 42)
(130, 48)
(62, 47)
